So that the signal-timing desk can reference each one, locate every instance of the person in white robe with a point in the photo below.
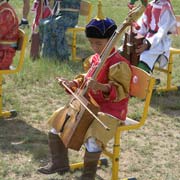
(157, 23)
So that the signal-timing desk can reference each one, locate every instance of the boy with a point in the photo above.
(156, 24)
(111, 92)
(8, 34)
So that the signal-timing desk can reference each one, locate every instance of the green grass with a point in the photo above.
(149, 153)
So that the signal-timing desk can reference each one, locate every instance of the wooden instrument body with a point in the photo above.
(73, 122)
(131, 42)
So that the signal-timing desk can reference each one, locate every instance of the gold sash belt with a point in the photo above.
(69, 9)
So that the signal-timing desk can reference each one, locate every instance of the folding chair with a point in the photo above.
(85, 11)
(21, 45)
(169, 68)
(141, 87)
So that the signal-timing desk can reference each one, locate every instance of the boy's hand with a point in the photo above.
(65, 81)
(95, 86)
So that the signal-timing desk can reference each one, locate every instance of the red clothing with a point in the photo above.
(8, 34)
(117, 73)
(40, 15)
(153, 13)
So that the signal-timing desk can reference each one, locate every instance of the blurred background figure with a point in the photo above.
(8, 34)
(25, 11)
(42, 10)
(156, 24)
(52, 29)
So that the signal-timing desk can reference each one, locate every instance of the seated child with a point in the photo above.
(111, 92)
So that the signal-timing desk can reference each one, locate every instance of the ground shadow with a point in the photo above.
(16, 135)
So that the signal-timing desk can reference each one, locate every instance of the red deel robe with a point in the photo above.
(8, 34)
(117, 73)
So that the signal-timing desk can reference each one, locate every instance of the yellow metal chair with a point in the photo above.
(21, 45)
(168, 69)
(85, 11)
(141, 88)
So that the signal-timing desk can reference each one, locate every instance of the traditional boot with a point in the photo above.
(59, 157)
(90, 165)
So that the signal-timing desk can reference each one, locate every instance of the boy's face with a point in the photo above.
(98, 44)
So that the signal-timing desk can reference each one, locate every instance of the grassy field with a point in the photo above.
(150, 153)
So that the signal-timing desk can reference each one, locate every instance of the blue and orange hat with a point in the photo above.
(102, 29)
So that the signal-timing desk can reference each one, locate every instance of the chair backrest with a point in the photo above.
(140, 83)
(141, 87)
(178, 23)
(86, 10)
(20, 39)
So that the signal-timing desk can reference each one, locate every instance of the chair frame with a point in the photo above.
(141, 87)
(83, 12)
(168, 70)
(22, 41)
